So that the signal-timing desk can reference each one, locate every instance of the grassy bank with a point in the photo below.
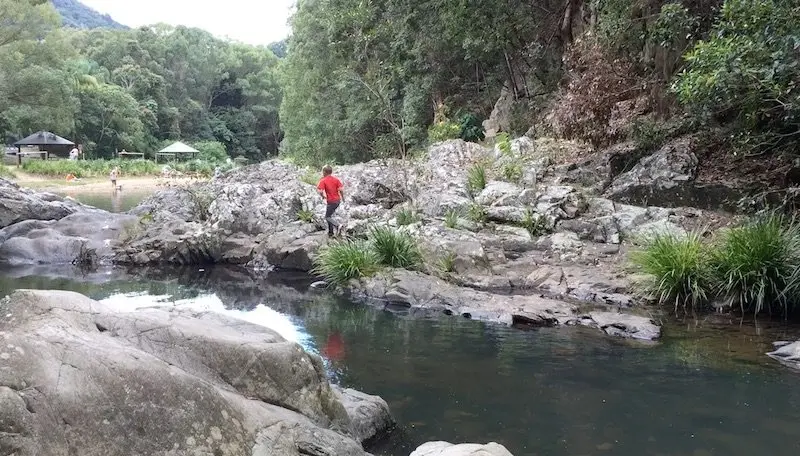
(754, 267)
(102, 168)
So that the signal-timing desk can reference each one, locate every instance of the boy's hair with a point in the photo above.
(327, 170)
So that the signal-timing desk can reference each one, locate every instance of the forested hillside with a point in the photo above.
(365, 79)
(134, 89)
(77, 15)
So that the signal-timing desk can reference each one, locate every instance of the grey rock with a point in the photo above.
(369, 415)
(18, 204)
(464, 449)
(787, 354)
(78, 377)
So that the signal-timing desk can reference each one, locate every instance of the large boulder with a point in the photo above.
(464, 449)
(77, 377)
(787, 354)
(18, 204)
(85, 235)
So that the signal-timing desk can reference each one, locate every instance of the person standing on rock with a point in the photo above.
(330, 189)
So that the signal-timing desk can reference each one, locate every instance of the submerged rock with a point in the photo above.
(426, 293)
(79, 377)
(787, 354)
(464, 449)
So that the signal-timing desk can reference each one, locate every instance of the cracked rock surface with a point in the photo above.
(77, 377)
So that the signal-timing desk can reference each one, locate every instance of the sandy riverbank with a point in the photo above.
(97, 185)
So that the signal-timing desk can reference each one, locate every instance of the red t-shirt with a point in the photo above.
(331, 186)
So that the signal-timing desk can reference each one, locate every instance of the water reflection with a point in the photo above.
(546, 392)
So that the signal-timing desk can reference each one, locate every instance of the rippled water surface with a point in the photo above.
(119, 201)
(566, 391)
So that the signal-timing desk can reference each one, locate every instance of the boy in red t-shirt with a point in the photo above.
(330, 188)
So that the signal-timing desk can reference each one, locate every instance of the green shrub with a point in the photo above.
(648, 134)
(444, 130)
(512, 172)
(407, 216)
(395, 249)
(305, 215)
(535, 224)
(90, 168)
(471, 128)
(211, 151)
(678, 268)
(310, 177)
(476, 179)
(756, 264)
(503, 141)
(451, 218)
(747, 72)
(6, 172)
(342, 261)
(477, 213)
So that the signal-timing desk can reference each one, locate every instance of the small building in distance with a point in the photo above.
(43, 144)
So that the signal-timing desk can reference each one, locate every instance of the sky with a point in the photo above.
(249, 21)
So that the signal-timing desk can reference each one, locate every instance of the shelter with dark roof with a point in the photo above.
(47, 144)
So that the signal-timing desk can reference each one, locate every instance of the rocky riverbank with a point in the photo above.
(540, 242)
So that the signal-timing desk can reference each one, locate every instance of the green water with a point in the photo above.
(560, 391)
(119, 201)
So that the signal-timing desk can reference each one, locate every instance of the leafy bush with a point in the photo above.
(444, 130)
(310, 177)
(747, 71)
(395, 249)
(648, 134)
(471, 128)
(679, 269)
(451, 218)
(342, 261)
(476, 179)
(503, 141)
(756, 264)
(211, 151)
(407, 216)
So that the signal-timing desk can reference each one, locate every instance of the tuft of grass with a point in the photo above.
(447, 262)
(342, 261)
(6, 172)
(451, 218)
(305, 215)
(476, 179)
(477, 213)
(503, 141)
(535, 224)
(756, 265)
(511, 172)
(407, 216)
(679, 268)
(395, 249)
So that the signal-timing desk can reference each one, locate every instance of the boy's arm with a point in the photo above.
(341, 192)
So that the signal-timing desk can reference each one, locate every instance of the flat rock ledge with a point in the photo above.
(787, 353)
(464, 449)
(78, 377)
(425, 293)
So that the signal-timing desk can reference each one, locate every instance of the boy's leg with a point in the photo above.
(329, 210)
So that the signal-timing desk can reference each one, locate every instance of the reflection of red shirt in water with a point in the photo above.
(334, 347)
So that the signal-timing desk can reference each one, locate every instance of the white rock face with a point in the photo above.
(464, 449)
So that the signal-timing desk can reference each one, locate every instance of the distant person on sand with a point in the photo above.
(330, 188)
(113, 176)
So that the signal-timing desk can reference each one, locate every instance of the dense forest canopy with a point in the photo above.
(134, 89)
(360, 79)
